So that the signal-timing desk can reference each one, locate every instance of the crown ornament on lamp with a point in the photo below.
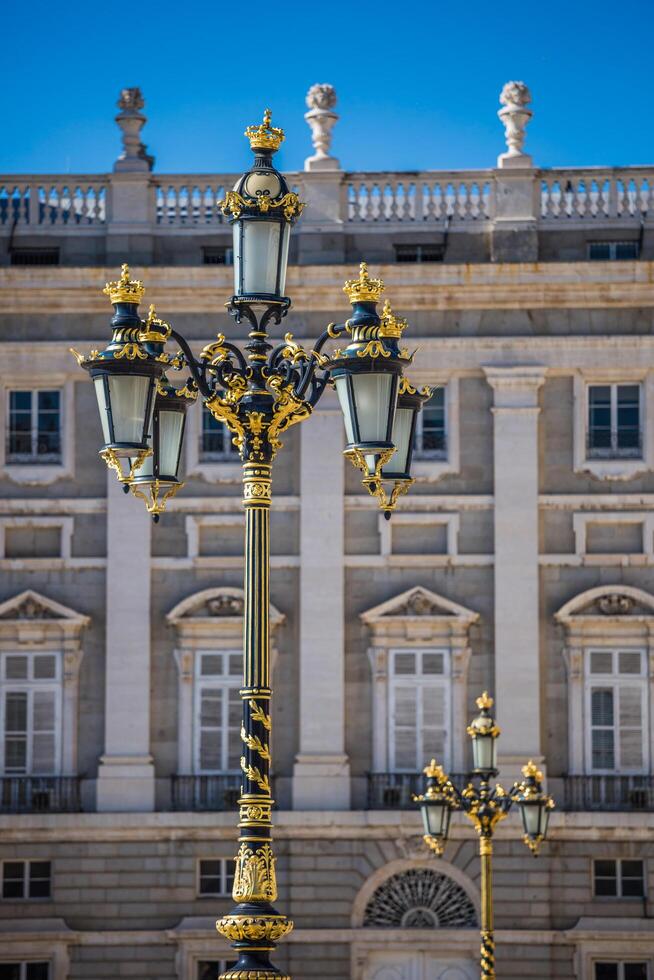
(264, 136)
(125, 290)
(364, 289)
(391, 325)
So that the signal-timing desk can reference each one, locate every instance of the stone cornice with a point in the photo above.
(191, 289)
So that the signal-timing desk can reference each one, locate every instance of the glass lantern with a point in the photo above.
(262, 209)
(436, 807)
(484, 732)
(535, 807)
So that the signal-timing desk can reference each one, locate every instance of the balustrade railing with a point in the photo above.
(220, 792)
(596, 192)
(415, 198)
(608, 793)
(395, 790)
(40, 794)
(53, 201)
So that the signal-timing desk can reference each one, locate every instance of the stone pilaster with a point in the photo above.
(321, 778)
(515, 443)
(126, 772)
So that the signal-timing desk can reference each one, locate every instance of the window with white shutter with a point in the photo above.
(616, 702)
(30, 714)
(419, 709)
(217, 723)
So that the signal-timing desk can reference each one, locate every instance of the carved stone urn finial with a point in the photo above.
(131, 121)
(515, 97)
(321, 117)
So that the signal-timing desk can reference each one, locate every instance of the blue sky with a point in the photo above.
(417, 83)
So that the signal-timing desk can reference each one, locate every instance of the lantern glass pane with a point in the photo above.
(171, 427)
(372, 396)
(434, 818)
(402, 442)
(341, 391)
(531, 821)
(102, 405)
(483, 752)
(286, 238)
(260, 256)
(129, 397)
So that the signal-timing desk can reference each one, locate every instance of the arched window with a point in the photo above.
(420, 899)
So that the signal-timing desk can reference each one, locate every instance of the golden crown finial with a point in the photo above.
(531, 770)
(264, 136)
(124, 290)
(484, 701)
(433, 770)
(391, 325)
(364, 289)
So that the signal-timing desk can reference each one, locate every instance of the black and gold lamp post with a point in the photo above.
(258, 392)
(485, 806)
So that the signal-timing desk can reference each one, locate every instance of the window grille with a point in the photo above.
(419, 899)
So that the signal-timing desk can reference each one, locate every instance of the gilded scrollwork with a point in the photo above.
(269, 928)
(254, 875)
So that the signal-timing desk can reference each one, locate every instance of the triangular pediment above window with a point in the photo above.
(607, 602)
(218, 605)
(30, 606)
(419, 603)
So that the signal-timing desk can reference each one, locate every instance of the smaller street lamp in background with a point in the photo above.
(485, 806)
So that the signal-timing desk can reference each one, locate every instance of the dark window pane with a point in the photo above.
(37, 971)
(13, 873)
(9, 971)
(632, 869)
(599, 251)
(48, 401)
(605, 869)
(606, 887)
(606, 971)
(209, 969)
(20, 401)
(635, 971)
(626, 250)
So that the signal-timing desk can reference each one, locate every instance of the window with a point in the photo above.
(614, 412)
(612, 251)
(34, 431)
(621, 878)
(211, 969)
(431, 437)
(616, 701)
(419, 253)
(215, 877)
(215, 439)
(35, 256)
(25, 879)
(25, 971)
(29, 713)
(621, 971)
(218, 711)
(218, 255)
(419, 708)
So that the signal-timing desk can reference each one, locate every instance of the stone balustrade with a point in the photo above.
(76, 201)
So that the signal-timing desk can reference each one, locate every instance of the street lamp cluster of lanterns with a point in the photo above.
(143, 414)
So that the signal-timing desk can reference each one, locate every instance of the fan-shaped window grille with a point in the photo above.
(420, 899)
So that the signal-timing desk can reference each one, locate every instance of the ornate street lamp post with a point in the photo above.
(485, 806)
(258, 393)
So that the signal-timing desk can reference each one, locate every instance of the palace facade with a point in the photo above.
(522, 562)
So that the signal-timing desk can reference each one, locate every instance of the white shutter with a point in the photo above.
(602, 728)
(405, 728)
(15, 732)
(433, 723)
(234, 717)
(210, 730)
(631, 726)
(43, 732)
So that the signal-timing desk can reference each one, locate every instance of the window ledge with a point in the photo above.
(220, 471)
(613, 469)
(36, 474)
(431, 470)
